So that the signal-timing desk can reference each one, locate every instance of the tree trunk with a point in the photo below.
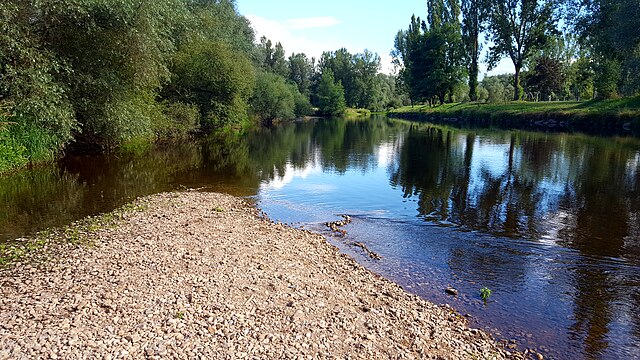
(516, 84)
(473, 74)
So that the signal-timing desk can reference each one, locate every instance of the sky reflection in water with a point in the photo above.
(549, 222)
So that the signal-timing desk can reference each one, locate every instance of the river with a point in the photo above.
(549, 222)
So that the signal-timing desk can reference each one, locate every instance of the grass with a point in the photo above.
(356, 113)
(599, 117)
(629, 106)
(80, 233)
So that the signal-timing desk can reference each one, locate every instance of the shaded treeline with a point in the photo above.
(560, 50)
(99, 74)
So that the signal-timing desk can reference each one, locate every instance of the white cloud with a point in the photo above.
(282, 32)
(385, 63)
(312, 22)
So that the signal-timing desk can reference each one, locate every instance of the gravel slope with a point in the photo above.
(201, 275)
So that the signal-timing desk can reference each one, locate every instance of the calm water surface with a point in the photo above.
(549, 222)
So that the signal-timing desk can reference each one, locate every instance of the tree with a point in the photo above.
(547, 77)
(356, 73)
(215, 78)
(580, 78)
(33, 95)
(273, 59)
(405, 44)
(518, 29)
(272, 98)
(430, 55)
(611, 32)
(300, 72)
(330, 95)
(279, 63)
(474, 16)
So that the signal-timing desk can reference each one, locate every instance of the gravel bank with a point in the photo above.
(201, 275)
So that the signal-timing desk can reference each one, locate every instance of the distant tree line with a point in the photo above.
(97, 74)
(595, 54)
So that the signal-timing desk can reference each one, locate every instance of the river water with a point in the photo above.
(549, 222)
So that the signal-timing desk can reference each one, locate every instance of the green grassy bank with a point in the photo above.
(595, 117)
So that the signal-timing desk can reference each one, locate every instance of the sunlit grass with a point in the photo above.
(626, 106)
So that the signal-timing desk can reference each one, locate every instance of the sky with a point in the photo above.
(311, 27)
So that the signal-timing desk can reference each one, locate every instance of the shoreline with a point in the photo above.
(191, 273)
(552, 116)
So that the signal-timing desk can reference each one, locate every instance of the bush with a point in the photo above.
(180, 120)
(273, 98)
(302, 104)
(12, 154)
(215, 78)
(357, 113)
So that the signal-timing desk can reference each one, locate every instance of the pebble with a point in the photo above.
(182, 280)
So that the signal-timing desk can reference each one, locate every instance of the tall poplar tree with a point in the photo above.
(518, 29)
(474, 17)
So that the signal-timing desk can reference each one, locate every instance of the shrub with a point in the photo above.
(302, 104)
(179, 120)
(272, 98)
(215, 78)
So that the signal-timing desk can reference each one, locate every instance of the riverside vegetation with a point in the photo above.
(97, 74)
(595, 116)
(93, 75)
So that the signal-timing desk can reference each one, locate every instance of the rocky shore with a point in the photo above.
(201, 275)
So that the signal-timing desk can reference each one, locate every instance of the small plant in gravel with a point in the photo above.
(218, 209)
(485, 293)
(180, 315)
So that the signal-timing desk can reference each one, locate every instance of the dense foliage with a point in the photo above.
(560, 50)
(104, 73)
(98, 74)
(330, 95)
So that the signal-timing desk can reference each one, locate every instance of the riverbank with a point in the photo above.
(605, 117)
(187, 274)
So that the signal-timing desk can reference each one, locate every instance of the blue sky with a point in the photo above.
(315, 26)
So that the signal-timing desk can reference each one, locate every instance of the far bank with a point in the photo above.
(607, 117)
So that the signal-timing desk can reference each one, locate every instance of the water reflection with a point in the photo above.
(551, 222)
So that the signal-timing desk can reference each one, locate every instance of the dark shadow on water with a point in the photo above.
(549, 222)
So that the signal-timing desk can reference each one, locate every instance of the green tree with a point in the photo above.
(430, 54)
(273, 59)
(301, 72)
(216, 79)
(330, 95)
(546, 78)
(474, 16)
(33, 95)
(580, 78)
(272, 98)
(611, 32)
(405, 46)
(356, 73)
(518, 29)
